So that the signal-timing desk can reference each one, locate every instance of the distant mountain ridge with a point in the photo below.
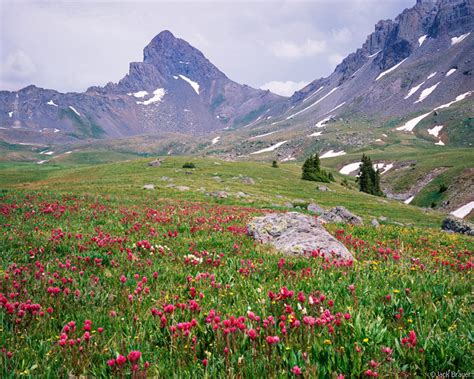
(175, 89)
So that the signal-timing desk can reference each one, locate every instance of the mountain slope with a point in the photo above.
(174, 89)
(421, 63)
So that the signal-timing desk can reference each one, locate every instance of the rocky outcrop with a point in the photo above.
(457, 225)
(341, 215)
(296, 234)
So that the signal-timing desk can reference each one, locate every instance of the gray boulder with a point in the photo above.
(323, 188)
(155, 163)
(375, 223)
(182, 188)
(295, 233)
(457, 225)
(247, 180)
(315, 208)
(149, 187)
(220, 194)
(341, 215)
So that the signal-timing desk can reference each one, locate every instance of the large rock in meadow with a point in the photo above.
(295, 233)
(457, 225)
(342, 215)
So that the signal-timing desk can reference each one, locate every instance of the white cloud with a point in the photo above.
(284, 88)
(18, 65)
(335, 58)
(342, 35)
(292, 50)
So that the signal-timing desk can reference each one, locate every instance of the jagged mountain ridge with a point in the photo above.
(426, 46)
(175, 89)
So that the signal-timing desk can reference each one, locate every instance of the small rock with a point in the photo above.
(149, 187)
(457, 225)
(220, 194)
(155, 163)
(241, 195)
(182, 188)
(342, 215)
(323, 188)
(315, 208)
(166, 179)
(382, 218)
(294, 233)
(247, 180)
(217, 179)
(288, 205)
(375, 223)
(171, 185)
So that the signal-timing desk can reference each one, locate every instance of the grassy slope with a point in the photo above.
(272, 189)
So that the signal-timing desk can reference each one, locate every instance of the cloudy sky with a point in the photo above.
(279, 45)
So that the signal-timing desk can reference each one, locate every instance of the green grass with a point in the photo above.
(273, 186)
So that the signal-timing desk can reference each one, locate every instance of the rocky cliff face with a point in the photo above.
(174, 89)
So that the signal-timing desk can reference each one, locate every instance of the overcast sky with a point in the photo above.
(280, 45)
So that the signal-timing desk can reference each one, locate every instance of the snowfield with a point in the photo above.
(260, 136)
(450, 72)
(158, 95)
(382, 74)
(434, 131)
(464, 210)
(332, 153)
(323, 122)
(139, 94)
(409, 200)
(348, 168)
(410, 125)
(74, 110)
(413, 90)
(51, 102)
(458, 39)
(271, 148)
(422, 39)
(426, 92)
(312, 105)
(192, 83)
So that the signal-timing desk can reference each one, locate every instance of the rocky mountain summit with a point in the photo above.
(175, 89)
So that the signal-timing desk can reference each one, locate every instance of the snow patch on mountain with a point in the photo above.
(348, 168)
(450, 72)
(139, 94)
(426, 92)
(74, 110)
(382, 74)
(434, 131)
(323, 122)
(215, 140)
(422, 39)
(315, 134)
(51, 102)
(464, 210)
(413, 90)
(431, 75)
(458, 39)
(410, 125)
(192, 83)
(158, 95)
(409, 200)
(271, 148)
(312, 105)
(10, 114)
(261, 135)
(313, 94)
(332, 153)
